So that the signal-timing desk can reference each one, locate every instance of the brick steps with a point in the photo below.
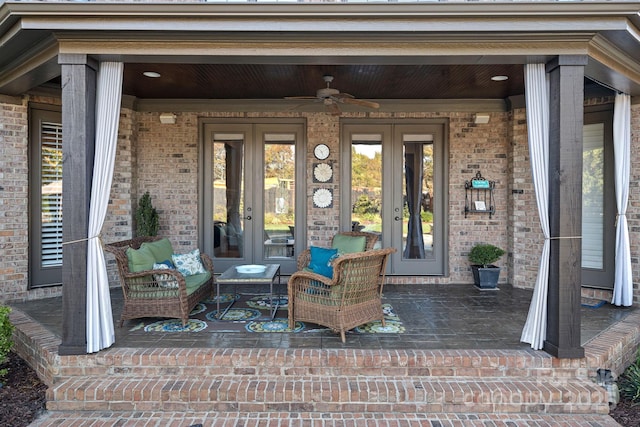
(333, 395)
(281, 384)
(315, 419)
(320, 363)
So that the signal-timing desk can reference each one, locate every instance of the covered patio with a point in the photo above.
(113, 120)
(434, 317)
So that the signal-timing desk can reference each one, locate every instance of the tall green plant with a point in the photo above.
(6, 337)
(147, 221)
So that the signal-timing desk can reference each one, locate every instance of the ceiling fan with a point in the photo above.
(331, 97)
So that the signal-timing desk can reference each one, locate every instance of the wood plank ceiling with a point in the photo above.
(266, 81)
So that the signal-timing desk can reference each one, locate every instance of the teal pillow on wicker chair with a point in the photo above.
(320, 262)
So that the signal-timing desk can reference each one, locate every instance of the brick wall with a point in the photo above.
(13, 198)
(526, 238)
(167, 167)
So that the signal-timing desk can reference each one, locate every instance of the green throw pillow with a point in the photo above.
(140, 259)
(161, 249)
(349, 244)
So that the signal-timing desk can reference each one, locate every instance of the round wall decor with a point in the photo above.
(321, 151)
(322, 172)
(322, 198)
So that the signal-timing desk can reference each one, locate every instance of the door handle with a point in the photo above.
(397, 218)
(248, 218)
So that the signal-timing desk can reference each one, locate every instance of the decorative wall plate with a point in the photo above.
(323, 198)
(322, 172)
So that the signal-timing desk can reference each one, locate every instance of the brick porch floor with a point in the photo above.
(459, 363)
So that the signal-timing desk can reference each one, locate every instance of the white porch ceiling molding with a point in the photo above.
(301, 33)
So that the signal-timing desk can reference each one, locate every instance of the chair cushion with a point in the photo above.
(349, 244)
(194, 281)
(161, 249)
(189, 264)
(321, 258)
(164, 280)
(140, 259)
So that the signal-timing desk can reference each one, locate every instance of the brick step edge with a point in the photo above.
(320, 363)
(405, 395)
(309, 419)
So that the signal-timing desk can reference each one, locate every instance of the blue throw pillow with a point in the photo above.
(320, 262)
(168, 263)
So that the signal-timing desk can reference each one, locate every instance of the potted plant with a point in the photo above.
(485, 274)
(147, 221)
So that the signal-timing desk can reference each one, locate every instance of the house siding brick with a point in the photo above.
(13, 198)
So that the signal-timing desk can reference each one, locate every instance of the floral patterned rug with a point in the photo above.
(251, 313)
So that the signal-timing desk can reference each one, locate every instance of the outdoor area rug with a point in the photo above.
(251, 313)
(592, 302)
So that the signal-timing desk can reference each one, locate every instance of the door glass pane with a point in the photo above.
(417, 196)
(279, 195)
(593, 196)
(366, 183)
(51, 194)
(228, 197)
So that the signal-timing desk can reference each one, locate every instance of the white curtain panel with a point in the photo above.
(537, 103)
(100, 332)
(623, 284)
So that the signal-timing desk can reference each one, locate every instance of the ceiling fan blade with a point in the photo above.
(361, 102)
(343, 95)
(333, 108)
(300, 97)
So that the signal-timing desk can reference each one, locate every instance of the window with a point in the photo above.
(45, 204)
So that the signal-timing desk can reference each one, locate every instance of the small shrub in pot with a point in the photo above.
(485, 254)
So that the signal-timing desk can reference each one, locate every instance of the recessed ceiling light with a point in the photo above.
(151, 74)
(499, 78)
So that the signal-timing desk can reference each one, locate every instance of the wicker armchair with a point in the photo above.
(371, 239)
(353, 297)
(144, 295)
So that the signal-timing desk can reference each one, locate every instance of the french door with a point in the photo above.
(396, 187)
(250, 199)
